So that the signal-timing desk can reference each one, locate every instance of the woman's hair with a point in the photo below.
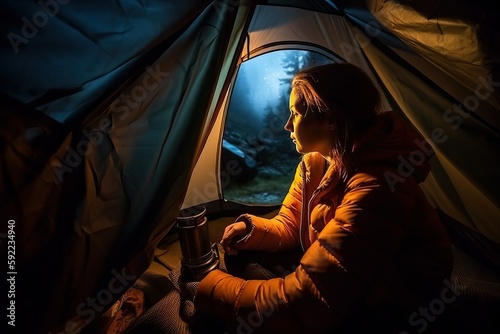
(347, 99)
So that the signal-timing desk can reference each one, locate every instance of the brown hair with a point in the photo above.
(347, 98)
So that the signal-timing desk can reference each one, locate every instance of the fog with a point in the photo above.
(257, 87)
(262, 88)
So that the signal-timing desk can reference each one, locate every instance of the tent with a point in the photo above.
(113, 113)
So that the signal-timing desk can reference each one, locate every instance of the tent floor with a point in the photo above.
(476, 287)
(154, 284)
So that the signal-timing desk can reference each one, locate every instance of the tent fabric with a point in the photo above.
(84, 48)
(205, 184)
(461, 42)
(126, 173)
(112, 113)
(464, 179)
(470, 196)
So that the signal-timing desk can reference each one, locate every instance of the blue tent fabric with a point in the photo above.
(81, 48)
(91, 209)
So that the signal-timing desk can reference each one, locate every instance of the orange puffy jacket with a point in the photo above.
(372, 241)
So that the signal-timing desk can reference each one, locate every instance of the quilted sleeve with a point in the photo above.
(280, 232)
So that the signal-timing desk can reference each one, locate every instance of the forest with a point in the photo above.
(254, 138)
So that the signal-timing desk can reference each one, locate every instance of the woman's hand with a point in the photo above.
(233, 233)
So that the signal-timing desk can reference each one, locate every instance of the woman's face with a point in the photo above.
(309, 131)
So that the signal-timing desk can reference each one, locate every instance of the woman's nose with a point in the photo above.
(288, 125)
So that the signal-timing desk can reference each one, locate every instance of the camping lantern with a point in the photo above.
(198, 256)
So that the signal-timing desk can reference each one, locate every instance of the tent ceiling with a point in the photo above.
(325, 6)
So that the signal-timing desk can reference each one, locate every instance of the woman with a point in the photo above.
(371, 246)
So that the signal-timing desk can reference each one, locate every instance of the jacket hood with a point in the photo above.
(392, 143)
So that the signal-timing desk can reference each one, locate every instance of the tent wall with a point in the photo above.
(460, 45)
(451, 186)
(447, 90)
(205, 183)
(113, 187)
(64, 57)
